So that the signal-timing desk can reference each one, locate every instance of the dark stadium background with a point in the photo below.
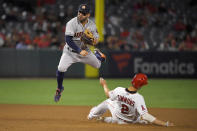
(160, 34)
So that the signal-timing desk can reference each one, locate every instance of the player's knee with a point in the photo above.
(61, 69)
(98, 66)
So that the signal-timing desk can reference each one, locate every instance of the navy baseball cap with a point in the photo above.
(84, 9)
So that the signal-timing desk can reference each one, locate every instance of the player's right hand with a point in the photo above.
(102, 81)
(83, 53)
(170, 124)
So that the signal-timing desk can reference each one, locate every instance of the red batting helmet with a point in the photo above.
(139, 80)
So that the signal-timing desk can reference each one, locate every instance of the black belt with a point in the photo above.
(72, 50)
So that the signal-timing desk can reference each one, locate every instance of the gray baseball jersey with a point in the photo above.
(75, 28)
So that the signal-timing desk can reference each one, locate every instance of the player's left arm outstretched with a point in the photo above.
(151, 119)
(104, 85)
(145, 115)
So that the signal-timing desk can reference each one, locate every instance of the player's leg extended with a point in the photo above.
(98, 111)
(65, 61)
(112, 109)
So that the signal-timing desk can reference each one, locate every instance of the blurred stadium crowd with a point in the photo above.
(142, 25)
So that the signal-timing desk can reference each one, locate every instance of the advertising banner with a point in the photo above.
(154, 64)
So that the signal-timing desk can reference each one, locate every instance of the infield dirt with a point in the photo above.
(73, 118)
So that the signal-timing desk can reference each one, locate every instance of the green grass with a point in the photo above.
(165, 93)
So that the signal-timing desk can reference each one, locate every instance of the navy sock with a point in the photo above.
(60, 78)
(98, 56)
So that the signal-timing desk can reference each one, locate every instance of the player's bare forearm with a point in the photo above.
(106, 90)
(162, 123)
(104, 85)
(150, 118)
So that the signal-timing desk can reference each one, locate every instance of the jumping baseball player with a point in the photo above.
(80, 32)
(125, 104)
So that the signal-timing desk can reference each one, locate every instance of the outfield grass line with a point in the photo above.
(158, 93)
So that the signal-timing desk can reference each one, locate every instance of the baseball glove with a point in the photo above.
(87, 37)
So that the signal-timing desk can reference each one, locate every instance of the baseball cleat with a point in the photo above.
(58, 94)
(99, 55)
(96, 117)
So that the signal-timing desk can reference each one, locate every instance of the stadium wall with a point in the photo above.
(154, 64)
(34, 63)
(43, 63)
